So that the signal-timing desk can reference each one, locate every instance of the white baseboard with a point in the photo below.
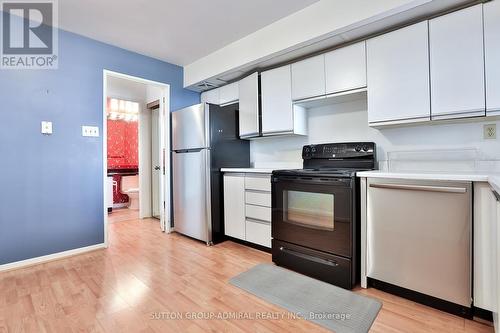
(50, 257)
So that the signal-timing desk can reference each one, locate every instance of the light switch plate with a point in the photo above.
(46, 127)
(90, 131)
(490, 131)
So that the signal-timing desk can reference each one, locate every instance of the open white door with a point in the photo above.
(164, 129)
(156, 157)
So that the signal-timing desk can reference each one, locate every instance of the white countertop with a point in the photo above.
(248, 170)
(495, 182)
(480, 176)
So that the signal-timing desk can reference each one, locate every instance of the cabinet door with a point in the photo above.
(345, 68)
(276, 93)
(485, 244)
(492, 56)
(308, 78)
(228, 93)
(210, 96)
(457, 64)
(234, 205)
(398, 75)
(249, 106)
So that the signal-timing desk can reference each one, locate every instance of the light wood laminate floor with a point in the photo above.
(123, 214)
(145, 272)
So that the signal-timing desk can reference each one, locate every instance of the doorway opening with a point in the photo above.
(136, 134)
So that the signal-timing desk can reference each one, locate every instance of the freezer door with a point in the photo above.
(191, 194)
(190, 128)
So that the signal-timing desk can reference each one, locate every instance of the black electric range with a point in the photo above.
(316, 213)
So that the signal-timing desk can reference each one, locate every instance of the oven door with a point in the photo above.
(313, 212)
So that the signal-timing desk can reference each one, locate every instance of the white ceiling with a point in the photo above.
(129, 90)
(176, 31)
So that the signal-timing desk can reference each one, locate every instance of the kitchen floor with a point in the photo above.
(146, 280)
(123, 214)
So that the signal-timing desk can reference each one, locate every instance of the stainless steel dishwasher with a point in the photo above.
(419, 238)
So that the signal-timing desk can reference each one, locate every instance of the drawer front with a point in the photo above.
(258, 198)
(317, 264)
(258, 183)
(258, 213)
(258, 232)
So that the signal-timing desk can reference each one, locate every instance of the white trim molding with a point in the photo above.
(50, 257)
(165, 219)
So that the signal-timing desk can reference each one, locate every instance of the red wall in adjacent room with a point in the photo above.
(123, 143)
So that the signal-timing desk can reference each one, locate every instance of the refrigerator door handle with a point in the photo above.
(184, 151)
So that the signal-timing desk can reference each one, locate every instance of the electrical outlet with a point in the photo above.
(92, 131)
(490, 131)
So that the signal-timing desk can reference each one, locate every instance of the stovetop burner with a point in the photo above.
(335, 160)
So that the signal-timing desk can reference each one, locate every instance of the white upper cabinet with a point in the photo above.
(249, 106)
(276, 94)
(210, 96)
(398, 75)
(457, 64)
(308, 78)
(279, 115)
(229, 93)
(492, 56)
(345, 68)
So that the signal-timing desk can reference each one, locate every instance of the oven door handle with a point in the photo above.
(345, 182)
(309, 257)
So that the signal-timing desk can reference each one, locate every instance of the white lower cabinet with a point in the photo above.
(234, 205)
(259, 213)
(258, 198)
(259, 232)
(247, 207)
(495, 313)
(485, 284)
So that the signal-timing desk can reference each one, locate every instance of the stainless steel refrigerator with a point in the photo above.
(205, 138)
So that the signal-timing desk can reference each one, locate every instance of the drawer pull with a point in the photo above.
(258, 221)
(308, 257)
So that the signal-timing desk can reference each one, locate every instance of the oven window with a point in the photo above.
(308, 209)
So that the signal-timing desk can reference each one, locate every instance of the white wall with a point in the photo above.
(349, 122)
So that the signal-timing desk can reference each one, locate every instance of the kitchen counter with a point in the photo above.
(248, 170)
(483, 176)
(495, 183)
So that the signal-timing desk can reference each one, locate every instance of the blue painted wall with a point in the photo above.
(51, 195)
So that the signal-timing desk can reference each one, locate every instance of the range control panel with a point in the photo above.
(338, 150)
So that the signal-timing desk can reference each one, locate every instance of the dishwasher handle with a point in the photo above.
(426, 188)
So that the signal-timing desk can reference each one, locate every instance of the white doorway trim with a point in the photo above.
(165, 219)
